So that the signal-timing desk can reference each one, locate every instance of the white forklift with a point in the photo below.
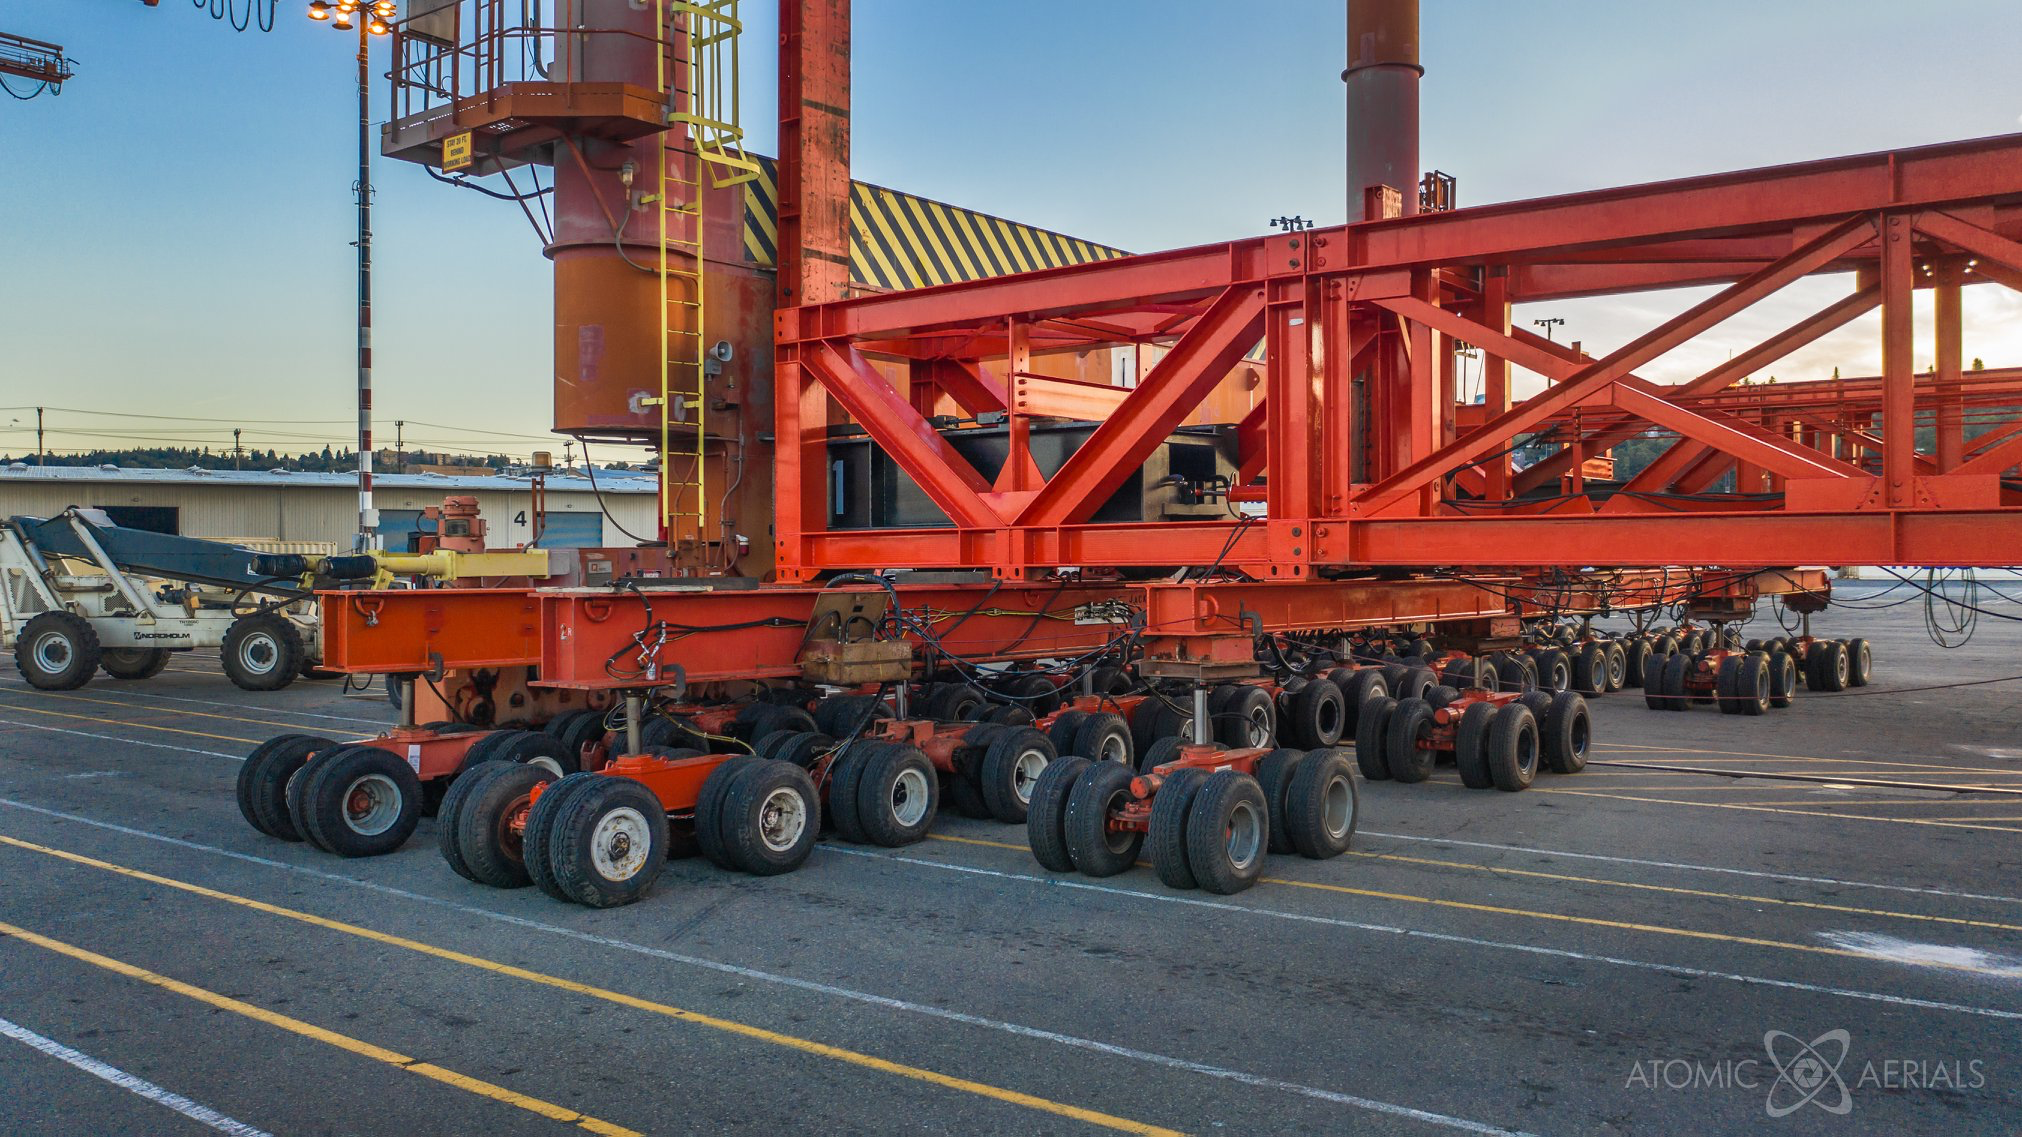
(79, 594)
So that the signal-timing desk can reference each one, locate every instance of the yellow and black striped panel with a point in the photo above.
(900, 241)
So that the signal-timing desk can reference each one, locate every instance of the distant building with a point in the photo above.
(309, 512)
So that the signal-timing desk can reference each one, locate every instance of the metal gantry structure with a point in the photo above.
(1357, 530)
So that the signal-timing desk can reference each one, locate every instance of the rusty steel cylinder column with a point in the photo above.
(607, 311)
(1382, 79)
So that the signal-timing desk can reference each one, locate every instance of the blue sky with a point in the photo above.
(176, 225)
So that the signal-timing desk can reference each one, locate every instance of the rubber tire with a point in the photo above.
(1061, 732)
(263, 782)
(1637, 657)
(1567, 733)
(1457, 672)
(82, 640)
(1724, 685)
(954, 702)
(840, 716)
(575, 730)
(1860, 663)
(1243, 715)
(287, 644)
(876, 785)
(1166, 843)
(803, 748)
(1144, 723)
(1372, 735)
(1306, 829)
(323, 802)
(540, 826)
(461, 786)
(485, 749)
(961, 793)
(843, 776)
(1225, 796)
(568, 846)
(1512, 748)
(133, 662)
(291, 790)
(1617, 665)
(1441, 696)
(532, 748)
(1317, 714)
(709, 809)
(1751, 685)
(742, 809)
(997, 774)
(1470, 737)
(1085, 826)
(1783, 679)
(1416, 682)
(1274, 776)
(477, 825)
(1555, 671)
(1104, 737)
(1160, 752)
(1046, 817)
(1408, 763)
(1832, 665)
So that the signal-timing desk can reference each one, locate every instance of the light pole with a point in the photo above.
(369, 17)
(1549, 323)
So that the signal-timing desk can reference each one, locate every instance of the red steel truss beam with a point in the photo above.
(1805, 331)
(1355, 433)
(1597, 376)
(1163, 399)
(901, 431)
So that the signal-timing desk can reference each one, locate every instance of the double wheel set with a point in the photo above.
(61, 651)
(1206, 817)
(1494, 739)
(1760, 676)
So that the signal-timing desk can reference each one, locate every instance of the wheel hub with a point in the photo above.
(371, 805)
(1245, 835)
(782, 820)
(1025, 773)
(258, 654)
(619, 844)
(909, 797)
(53, 652)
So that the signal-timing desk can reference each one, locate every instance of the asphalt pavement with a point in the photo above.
(1662, 944)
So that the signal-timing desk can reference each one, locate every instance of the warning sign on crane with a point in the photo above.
(456, 152)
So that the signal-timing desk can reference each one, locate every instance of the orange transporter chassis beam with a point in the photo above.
(599, 640)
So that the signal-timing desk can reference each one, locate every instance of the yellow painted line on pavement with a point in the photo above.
(102, 721)
(1559, 917)
(153, 710)
(321, 1034)
(728, 1026)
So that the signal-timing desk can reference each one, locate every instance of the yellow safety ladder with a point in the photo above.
(704, 130)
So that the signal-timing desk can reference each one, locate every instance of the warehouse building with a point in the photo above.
(318, 512)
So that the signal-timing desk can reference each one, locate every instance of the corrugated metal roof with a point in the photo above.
(609, 481)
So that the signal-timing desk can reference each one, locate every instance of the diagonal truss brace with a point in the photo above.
(1170, 391)
(903, 433)
(1597, 376)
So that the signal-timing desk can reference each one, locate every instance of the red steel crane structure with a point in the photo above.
(1362, 493)
(1359, 451)
(1363, 461)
